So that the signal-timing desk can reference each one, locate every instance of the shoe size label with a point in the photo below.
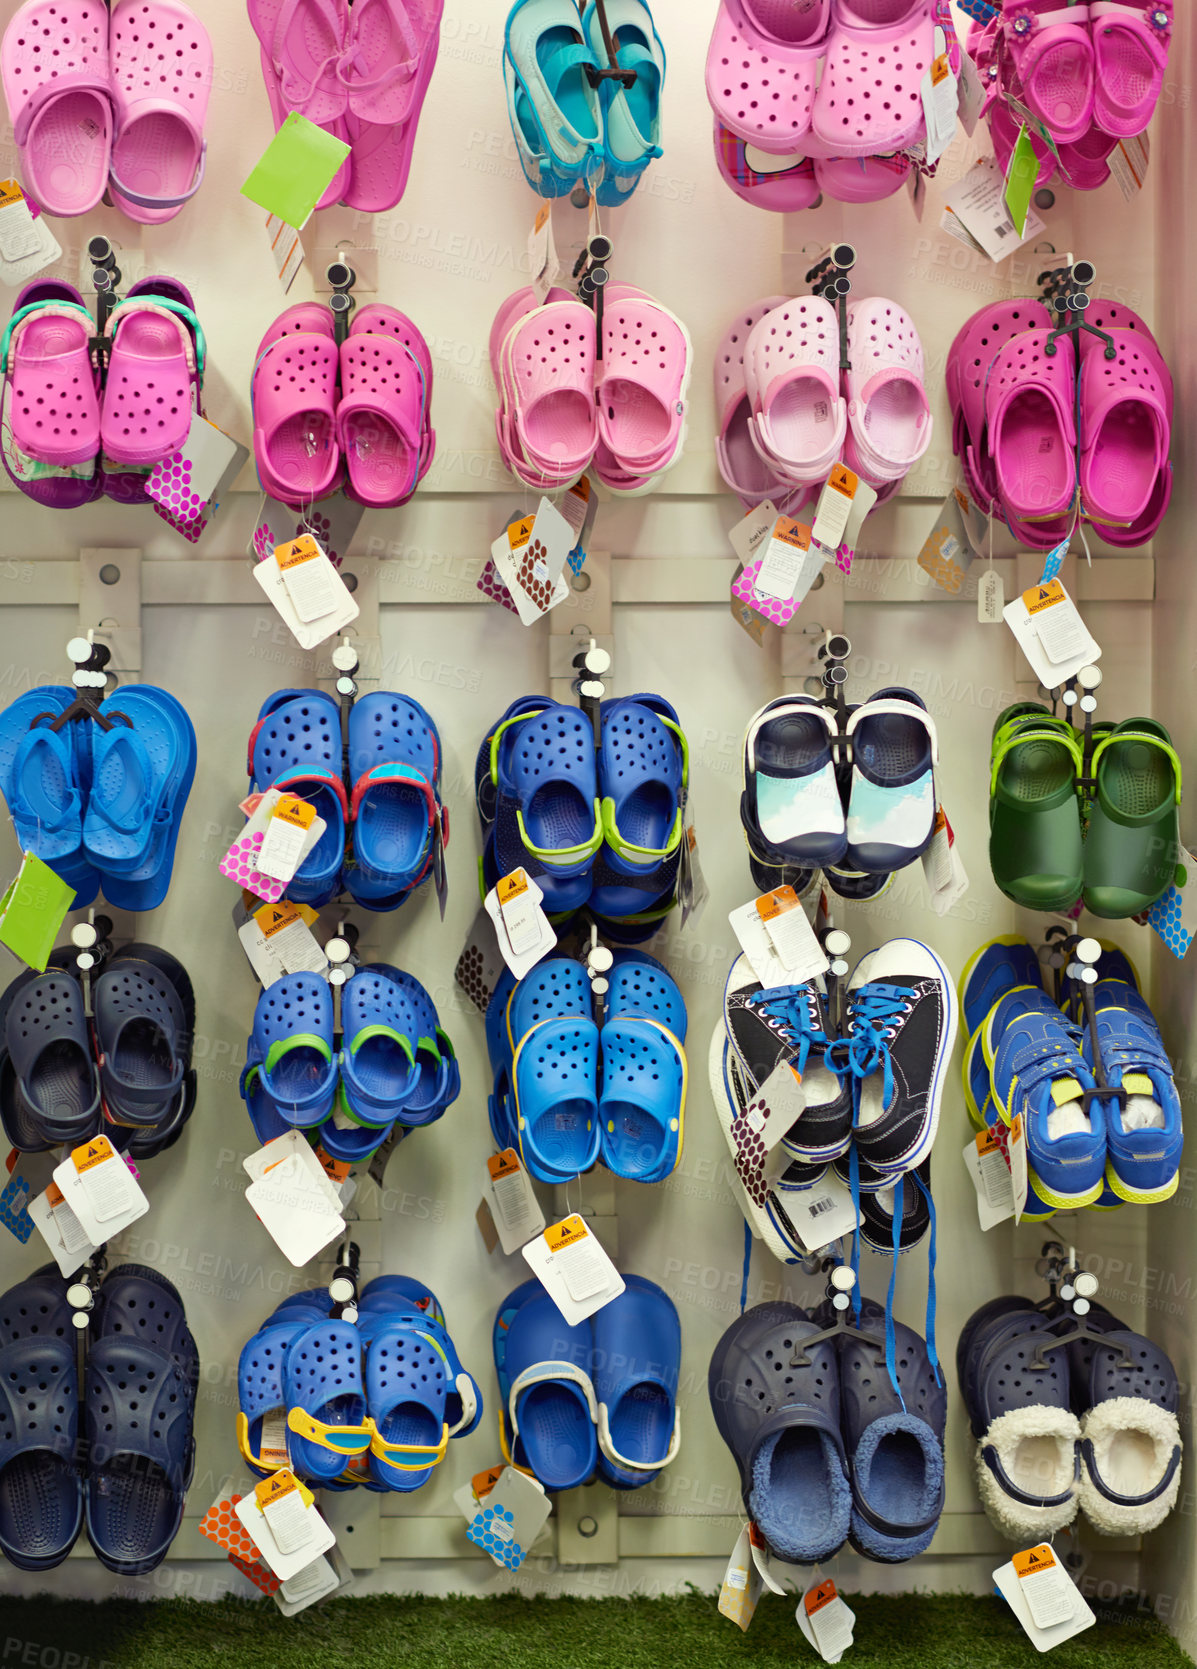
(575, 1271)
(514, 1208)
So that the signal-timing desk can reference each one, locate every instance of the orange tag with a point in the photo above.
(1040, 597)
(775, 904)
(295, 551)
(502, 1164)
(987, 1143)
(272, 918)
(816, 1598)
(566, 1233)
(96, 1152)
(483, 1482)
(542, 214)
(273, 1488)
(221, 1525)
(297, 812)
(54, 1195)
(940, 69)
(511, 886)
(10, 192)
(843, 481)
(336, 1169)
(796, 534)
(581, 489)
(520, 532)
(1034, 1560)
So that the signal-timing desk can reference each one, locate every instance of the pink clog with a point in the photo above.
(386, 67)
(1130, 45)
(1050, 50)
(740, 464)
(792, 372)
(762, 68)
(870, 101)
(52, 388)
(969, 360)
(161, 60)
(383, 416)
(642, 381)
(55, 67)
(150, 391)
(888, 414)
(293, 396)
(1126, 427)
(1029, 406)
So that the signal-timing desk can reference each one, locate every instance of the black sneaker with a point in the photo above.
(902, 1011)
(877, 1194)
(787, 1025)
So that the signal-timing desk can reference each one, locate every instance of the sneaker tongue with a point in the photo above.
(1065, 1090)
(1143, 1111)
(1069, 1117)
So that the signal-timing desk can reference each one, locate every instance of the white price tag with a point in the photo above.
(290, 1521)
(61, 1229)
(940, 101)
(978, 205)
(269, 576)
(779, 1103)
(822, 1213)
(523, 931)
(745, 538)
(834, 508)
(1049, 1611)
(991, 598)
(1051, 634)
(294, 1198)
(100, 1189)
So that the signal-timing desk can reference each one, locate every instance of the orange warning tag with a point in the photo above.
(295, 551)
(10, 192)
(940, 69)
(483, 1482)
(1033, 1560)
(843, 481)
(511, 886)
(297, 812)
(816, 1598)
(1040, 597)
(776, 903)
(277, 1485)
(520, 532)
(96, 1152)
(503, 1164)
(788, 532)
(987, 1143)
(565, 1233)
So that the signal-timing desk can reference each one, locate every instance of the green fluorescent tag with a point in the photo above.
(32, 911)
(295, 170)
(1020, 180)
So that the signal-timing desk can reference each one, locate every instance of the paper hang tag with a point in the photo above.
(776, 1107)
(972, 96)
(991, 598)
(28, 1176)
(514, 1208)
(317, 1537)
(826, 1620)
(221, 1525)
(99, 1188)
(293, 1522)
(296, 1202)
(285, 249)
(1174, 916)
(943, 868)
(751, 530)
(542, 253)
(314, 1582)
(834, 508)
(1016, 1149)
(1128, 163)
(524, 932)
(27, 245)
(314, 586)
(481, 962)
(575, 1271)
(270, 577)
(941, 100)
(530, 557)
(1035, 1580)
(863, 500)
(977, 213)
(1022, 171)
(823, 1213)
(61, 1230)
(947, 554)
(742, 1585)
(510, 1518)
(278, 940)
(783, 558)
(801, 956)
(990, 1173)
(289, 831)
(1051, 634)
(32, 910)
(745, 615)
(692, 889)
(188, 485)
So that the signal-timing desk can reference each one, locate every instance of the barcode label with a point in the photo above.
(819, 1207)
(1004, 230)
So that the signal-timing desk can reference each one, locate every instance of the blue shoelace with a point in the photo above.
(795, 1010)
(875, 1012)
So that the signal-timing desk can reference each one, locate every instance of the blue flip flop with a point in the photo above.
(395, 769)
(326, 1400)
(643, 770)
(38, 776)
(893, 1434)
(50, 1050)
(780, 1417)
(555, 112)
(379, 1070)
(144, 887)
(41, 1497)
(291, 1049)
(547, 815)
(637, 1359)
(643, 1101)
(549, 1409)
(141, 1033)
(137, 770)
(463, 1399)
(631, 115)
(407, 1376)
(296, 746)
(142, 1371)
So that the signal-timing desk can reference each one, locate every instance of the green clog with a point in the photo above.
(1132, 844)
(1036, 849)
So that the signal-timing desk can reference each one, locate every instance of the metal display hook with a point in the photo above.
(829, 279)
(345, 1283)
(1076, 1289)
(81, 1294)
(106, 279)
(341, 278)
(1066, 290)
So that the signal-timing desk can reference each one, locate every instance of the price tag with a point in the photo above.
(978, 215)
(542, 253)
(822, 1213)
(510, 1518)
(834, 508)
(1042, 1597)
(513, 1204)
(286, 836)
(524, 932)
(747, 537)
(991, 598)
(1051, 634)
(107, 1180)
(278, 940)
(530, 557)
(940, 102)
(947, 553)
(278, 585)
(777, 1106)
(574, 1269)
(26, 244)
(61, 1229)
(986, 1165)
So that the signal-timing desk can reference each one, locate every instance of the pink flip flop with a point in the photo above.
(53, 390)
(547, 367)
(792, 372)
(785, 184)
(162, 77)
(969, 360)
(1126, 427)
(1029, 401)
(54, 65)
(762, 67)
(383, 414)
(150, 390)
(301, 43)
(642, 381)
(1130, 44)
(1051, 50)
(740, 464)
(869, 101)
(294, 399)
(888, 413)
(386, 67)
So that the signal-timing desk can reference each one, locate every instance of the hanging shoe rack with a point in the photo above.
(1074, 959)
(1073, 1290)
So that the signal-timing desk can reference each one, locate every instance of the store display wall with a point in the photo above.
(448, 255)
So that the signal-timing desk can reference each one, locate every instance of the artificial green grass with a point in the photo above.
(909, 1631)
